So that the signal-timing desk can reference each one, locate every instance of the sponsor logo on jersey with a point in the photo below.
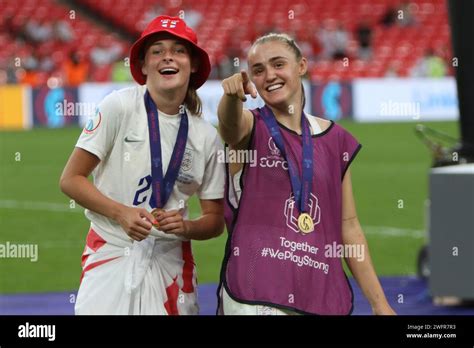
(93, 122)
(129, 139)
(292, 214)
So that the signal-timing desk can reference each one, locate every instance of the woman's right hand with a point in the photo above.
(136, 222)
(238, 85)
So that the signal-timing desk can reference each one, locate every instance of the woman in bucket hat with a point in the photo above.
(149, 151)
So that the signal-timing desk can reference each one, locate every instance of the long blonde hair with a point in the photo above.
(285, 38)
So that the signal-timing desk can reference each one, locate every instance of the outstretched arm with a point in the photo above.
(235, 122)
(361, 267)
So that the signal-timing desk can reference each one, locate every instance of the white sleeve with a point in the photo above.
(101, 129)
(212, 186)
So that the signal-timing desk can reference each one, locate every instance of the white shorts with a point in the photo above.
(152, 276)
(232, 307)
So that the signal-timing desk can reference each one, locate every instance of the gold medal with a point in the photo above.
(305, 223)
(156, 212)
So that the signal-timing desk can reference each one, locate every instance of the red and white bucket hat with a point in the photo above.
(176, 27)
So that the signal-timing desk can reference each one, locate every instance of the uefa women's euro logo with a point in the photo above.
(274, 151)
(94, 122)
(274, 159)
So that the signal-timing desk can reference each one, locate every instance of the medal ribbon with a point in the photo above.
(162, 187)
(301, 188)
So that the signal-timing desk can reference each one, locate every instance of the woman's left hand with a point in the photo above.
(384, 309)
(172, 222)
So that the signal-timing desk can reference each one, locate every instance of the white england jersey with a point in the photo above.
(118, 136)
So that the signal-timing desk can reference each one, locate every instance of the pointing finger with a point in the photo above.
(253, 91)
(245, 77)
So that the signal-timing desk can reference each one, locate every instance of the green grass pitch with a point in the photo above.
(391, 170)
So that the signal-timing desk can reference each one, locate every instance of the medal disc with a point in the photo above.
(156, 212)
(305, 223)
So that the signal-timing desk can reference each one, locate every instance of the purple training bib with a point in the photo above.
(268, 260)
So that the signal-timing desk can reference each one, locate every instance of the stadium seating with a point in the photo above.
(393, 46)
(86, 34)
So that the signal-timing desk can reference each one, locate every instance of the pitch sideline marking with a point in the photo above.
(385, 231)
(42, 206)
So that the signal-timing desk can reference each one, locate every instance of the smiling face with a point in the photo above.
(276, 72)
(167, 63)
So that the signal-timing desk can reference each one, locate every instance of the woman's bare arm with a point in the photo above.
(235, 122)
(361, 265)
(75, 184)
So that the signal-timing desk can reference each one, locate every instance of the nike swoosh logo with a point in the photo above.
(127, 140)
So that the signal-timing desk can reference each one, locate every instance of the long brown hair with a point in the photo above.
(192, 101)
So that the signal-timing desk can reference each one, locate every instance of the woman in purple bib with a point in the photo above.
(290, 211)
